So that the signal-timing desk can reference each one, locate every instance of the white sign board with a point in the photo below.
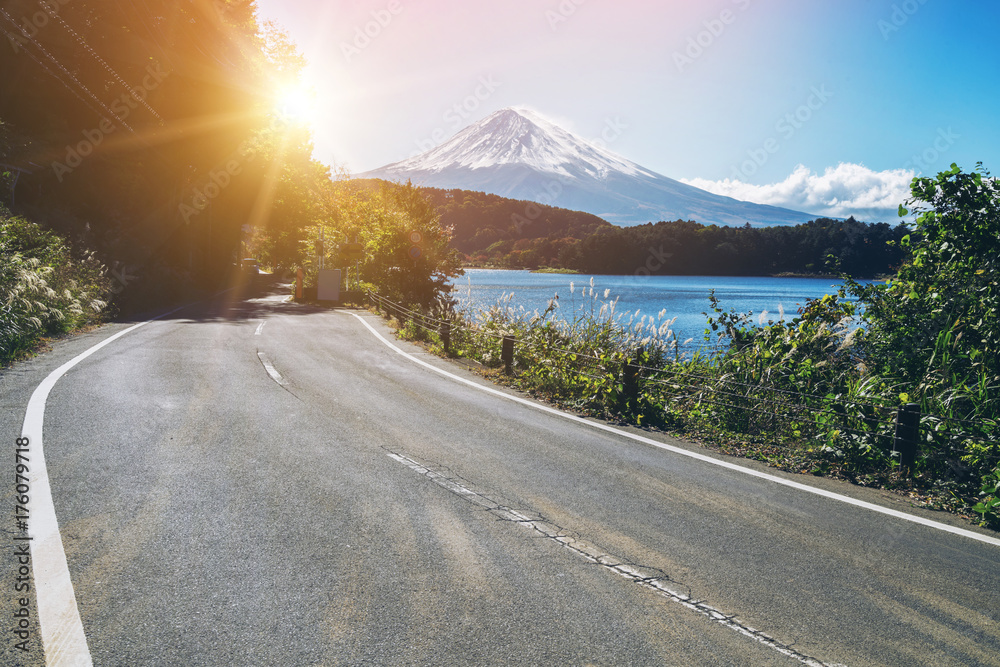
(328, 285)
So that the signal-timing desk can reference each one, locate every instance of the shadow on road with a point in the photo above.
(243, 297)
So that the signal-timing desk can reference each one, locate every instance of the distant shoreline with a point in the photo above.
(572, 272)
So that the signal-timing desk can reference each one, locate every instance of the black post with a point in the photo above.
(446, 337)
(507, 355)
(630, 383)
(907, 436)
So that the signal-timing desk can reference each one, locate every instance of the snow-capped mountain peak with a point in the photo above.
(523, 137)
(520, 154)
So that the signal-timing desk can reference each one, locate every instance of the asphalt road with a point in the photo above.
(253, 482)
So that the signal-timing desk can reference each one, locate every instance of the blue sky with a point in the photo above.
(829, 107)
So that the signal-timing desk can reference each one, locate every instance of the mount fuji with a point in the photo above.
(518, 154)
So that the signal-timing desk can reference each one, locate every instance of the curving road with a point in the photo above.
(253, 482)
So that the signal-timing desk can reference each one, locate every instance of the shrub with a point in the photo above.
(44, 289)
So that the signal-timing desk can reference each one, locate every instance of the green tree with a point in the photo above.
(936, 324)
(407, 256)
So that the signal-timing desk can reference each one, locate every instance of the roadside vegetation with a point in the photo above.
(817, 392)
(47, 289)
(405, 252)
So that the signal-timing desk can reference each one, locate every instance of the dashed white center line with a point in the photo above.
(271, 370)
(260, 328)
(650, 578)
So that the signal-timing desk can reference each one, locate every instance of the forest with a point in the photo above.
(686, 248)
(491, 231)
(146, 133)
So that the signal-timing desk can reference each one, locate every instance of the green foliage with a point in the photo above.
(493, 231)
(936, 324)
(510, 233)
(44, 289)
(688, 248)
(802, 381)
(166, 184)
(934, 328)
(406, 256)
(989, 505)
(594, 363)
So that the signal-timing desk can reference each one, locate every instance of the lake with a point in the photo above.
(683, 297)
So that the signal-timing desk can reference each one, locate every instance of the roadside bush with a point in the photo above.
(44, 289)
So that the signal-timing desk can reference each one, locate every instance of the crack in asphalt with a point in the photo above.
(651, 578)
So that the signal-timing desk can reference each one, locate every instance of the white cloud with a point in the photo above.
(841, 191)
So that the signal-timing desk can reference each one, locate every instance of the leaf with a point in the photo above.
(903, 213)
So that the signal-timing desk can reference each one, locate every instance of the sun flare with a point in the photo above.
(296, 103)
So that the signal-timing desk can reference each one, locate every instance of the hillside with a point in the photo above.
(493, 231)
(479, 219)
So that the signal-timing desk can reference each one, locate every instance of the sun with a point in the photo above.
(296, 103)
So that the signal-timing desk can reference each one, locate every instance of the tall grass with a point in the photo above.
(45, 290)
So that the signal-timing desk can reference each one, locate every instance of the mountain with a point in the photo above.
(518, 154)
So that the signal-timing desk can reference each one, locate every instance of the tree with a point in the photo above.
(936, 324)
(407, 256)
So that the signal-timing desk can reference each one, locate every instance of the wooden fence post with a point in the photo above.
(507, 355)
(630, 383)
(446, 337)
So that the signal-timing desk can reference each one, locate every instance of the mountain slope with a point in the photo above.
(519, 154)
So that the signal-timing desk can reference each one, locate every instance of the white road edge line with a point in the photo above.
(63, 640)
(694, 455)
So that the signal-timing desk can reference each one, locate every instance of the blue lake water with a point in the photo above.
(683, 297)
